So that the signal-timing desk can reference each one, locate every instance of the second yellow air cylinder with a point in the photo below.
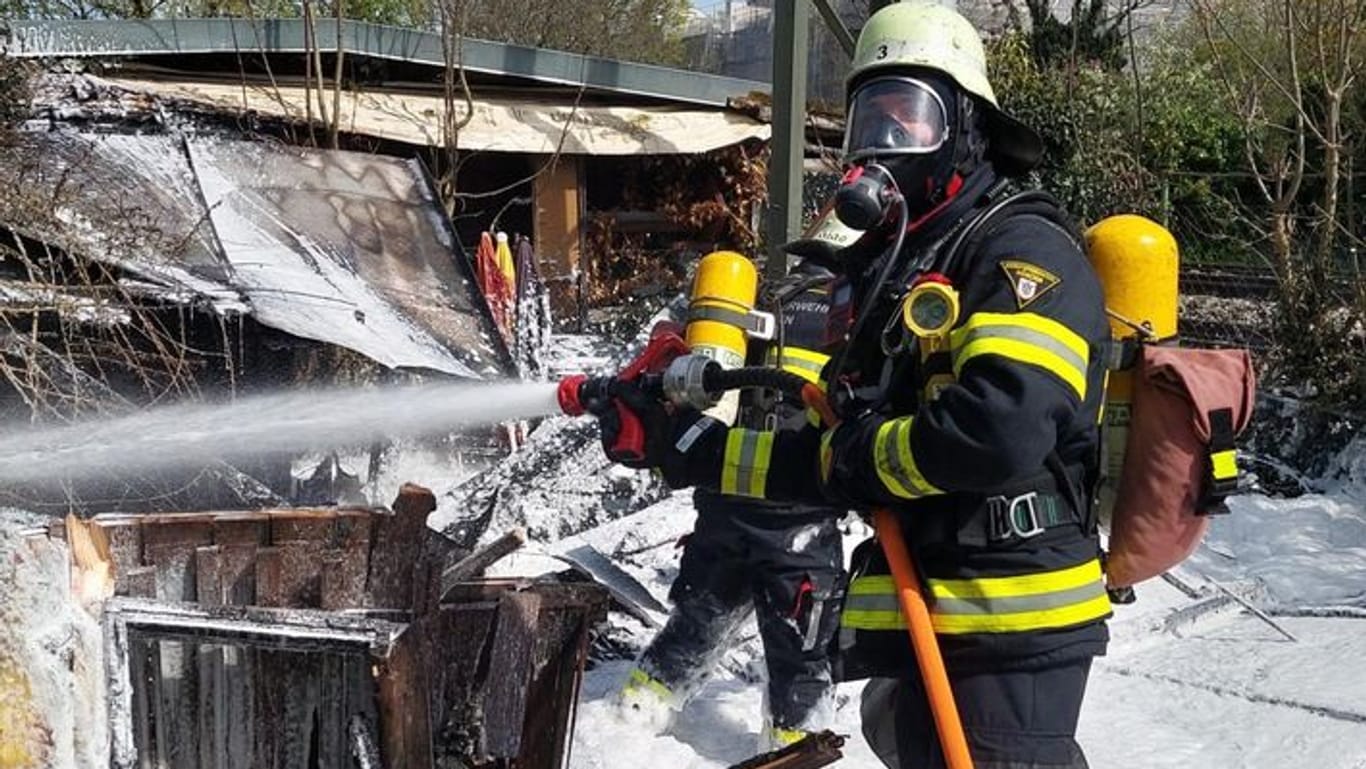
(723, 294)
(1138, 262)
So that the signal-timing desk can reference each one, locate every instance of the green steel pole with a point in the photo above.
(790, 24)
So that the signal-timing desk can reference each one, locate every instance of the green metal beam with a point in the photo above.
(171, 37)
(791, 21)
(836, 25)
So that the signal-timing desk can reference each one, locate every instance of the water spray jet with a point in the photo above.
(187, 434)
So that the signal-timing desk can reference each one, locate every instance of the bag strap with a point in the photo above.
(1221, 463)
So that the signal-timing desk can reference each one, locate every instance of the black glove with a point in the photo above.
(845, 449)
(638, 431)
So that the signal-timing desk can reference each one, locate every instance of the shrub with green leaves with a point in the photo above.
(1116, 146)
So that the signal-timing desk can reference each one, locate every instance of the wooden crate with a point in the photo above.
(315, 638)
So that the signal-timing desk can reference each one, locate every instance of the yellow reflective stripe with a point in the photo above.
(744, 469)
(1035, 322)
(1225, 464)
(1023, 603)
(827, 455)
(730, 463)
(1027, 338)
(763, 455)
(896, 466)
(860, 619)
(872, 584)
(806, 364)
(1026, 602)
(870, 603)
(810, 357)
(1063, 616)
(1025, 584)
(813, 417)
(1105, 394)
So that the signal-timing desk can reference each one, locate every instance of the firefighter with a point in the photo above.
(968, 398)
(783, 562)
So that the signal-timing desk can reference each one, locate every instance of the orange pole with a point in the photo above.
(926, 646)
(946, 721)
(815, 398)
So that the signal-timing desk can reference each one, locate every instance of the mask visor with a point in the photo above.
(894, 116)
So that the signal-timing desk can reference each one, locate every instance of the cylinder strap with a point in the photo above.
(741, 320)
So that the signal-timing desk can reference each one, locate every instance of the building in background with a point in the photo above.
(202, 230)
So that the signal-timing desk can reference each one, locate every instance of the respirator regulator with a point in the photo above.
(865, 196)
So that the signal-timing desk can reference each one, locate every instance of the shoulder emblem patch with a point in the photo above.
(1028, 281)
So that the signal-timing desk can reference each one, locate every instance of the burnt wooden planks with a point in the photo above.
(258, 642)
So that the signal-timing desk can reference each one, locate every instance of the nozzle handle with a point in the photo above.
(580, 394)
(630, 443)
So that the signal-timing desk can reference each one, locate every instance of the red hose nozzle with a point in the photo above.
(568, 395)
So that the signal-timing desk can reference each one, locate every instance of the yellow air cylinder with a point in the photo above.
(723, 294)
(1137, 261)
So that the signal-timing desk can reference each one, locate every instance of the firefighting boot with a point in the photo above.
(778, 737)
(647, 702)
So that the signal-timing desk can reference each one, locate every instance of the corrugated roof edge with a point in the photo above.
(94, 38)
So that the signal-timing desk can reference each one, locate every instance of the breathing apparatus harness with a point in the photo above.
(935, 269)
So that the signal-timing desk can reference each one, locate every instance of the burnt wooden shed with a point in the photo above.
(318, 638)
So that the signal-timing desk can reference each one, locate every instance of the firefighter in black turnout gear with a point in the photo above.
(784, 562)
(969, 396)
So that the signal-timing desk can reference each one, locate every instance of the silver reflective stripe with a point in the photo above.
(744, 471)
(691, 435)
(1020, 603)
(813, 625)
(792, 361)
(891, 454)
(1020, 334)
(872, 602)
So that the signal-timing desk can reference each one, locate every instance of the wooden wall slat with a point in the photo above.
(510, 669)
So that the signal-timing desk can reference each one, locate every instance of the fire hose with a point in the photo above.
(668, 371)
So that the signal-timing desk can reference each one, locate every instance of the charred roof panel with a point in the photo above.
(350, 249)
(124, 200)
(497, 125)
(344, 248)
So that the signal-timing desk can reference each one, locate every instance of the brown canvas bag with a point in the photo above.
(1188, 406)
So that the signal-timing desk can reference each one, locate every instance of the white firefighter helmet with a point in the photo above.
(922, 34)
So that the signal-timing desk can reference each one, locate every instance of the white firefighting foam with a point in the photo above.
(51, 655)
(186, 434)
